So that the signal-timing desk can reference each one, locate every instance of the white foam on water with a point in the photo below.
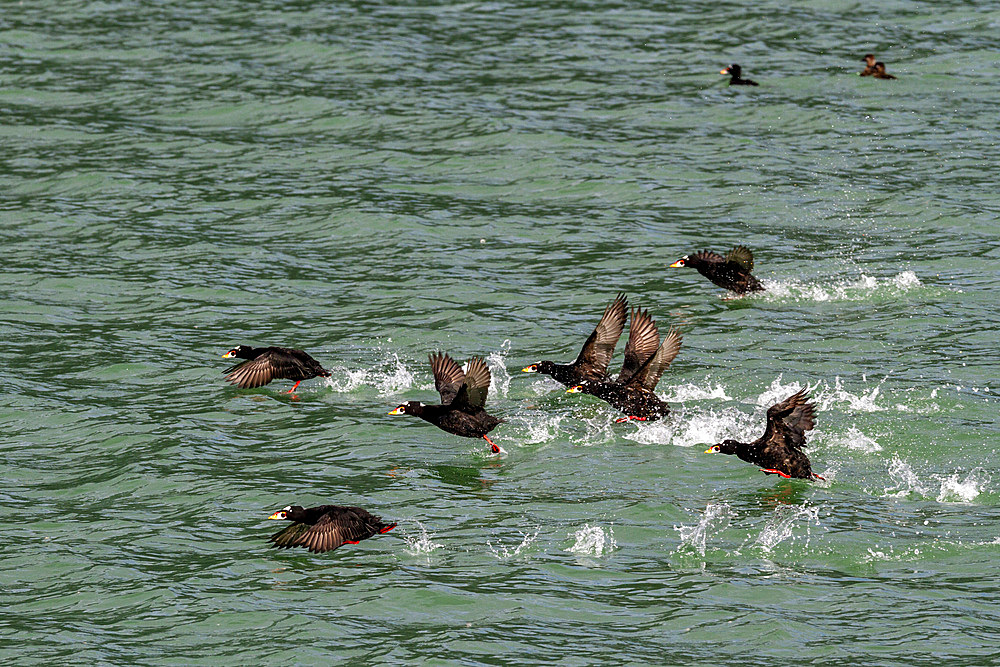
(593, 541)
(502, 552)
(848, 289)
(497, 363)
(716, 518)
(783, 523)
(422, 544)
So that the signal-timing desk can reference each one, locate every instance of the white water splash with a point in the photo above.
(540, 426)
(944, 488)
(782, 525)
(906, 280)
(906, 481)
(956, 490)
(852, 289)
(546, 385)
(856, 440)
(419, 545)
(599, 430)
(593, 541)
(716, 518)
(692, 392)
(695, 427)
(824, 395)
(502, 552)
(392, 378)
(497, 363)
(777, 392)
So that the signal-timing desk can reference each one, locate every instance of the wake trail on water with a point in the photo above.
(861, 288)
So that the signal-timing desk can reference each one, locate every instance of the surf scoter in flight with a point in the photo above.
(732, 272)
(592, 363)
(463, 397)
(779, 450)
(263, 364)
(646, 359)
(326, 527)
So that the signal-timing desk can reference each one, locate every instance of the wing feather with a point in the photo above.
(790, 419)
(741, 255)
(643, 341)
(474, 390)
(448, 376)
(651, 372)
(709, 256)
(252, 372)
(595, 356)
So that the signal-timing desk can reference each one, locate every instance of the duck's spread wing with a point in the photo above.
(288, 536)
(643, 342)
(600, 346)
(448, 376)
(474, 390)
(330, 531)
(742, 256)
(709, 257)
(790, 419)
(258, 372)
(651, 372)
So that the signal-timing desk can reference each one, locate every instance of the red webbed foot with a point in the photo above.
(772, 471)
(494, 448)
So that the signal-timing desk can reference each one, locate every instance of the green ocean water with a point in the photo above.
(374, 182)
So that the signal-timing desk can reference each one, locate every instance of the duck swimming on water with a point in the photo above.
(880, 72)
(869, 61)
(734, 71)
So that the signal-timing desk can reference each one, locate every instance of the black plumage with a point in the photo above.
(734, 71)
(463, 399)
(732, 272)
(646, 358)
(779, 450)
(263, 364)
(326, 527)
(592, 362)
(880, 72)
